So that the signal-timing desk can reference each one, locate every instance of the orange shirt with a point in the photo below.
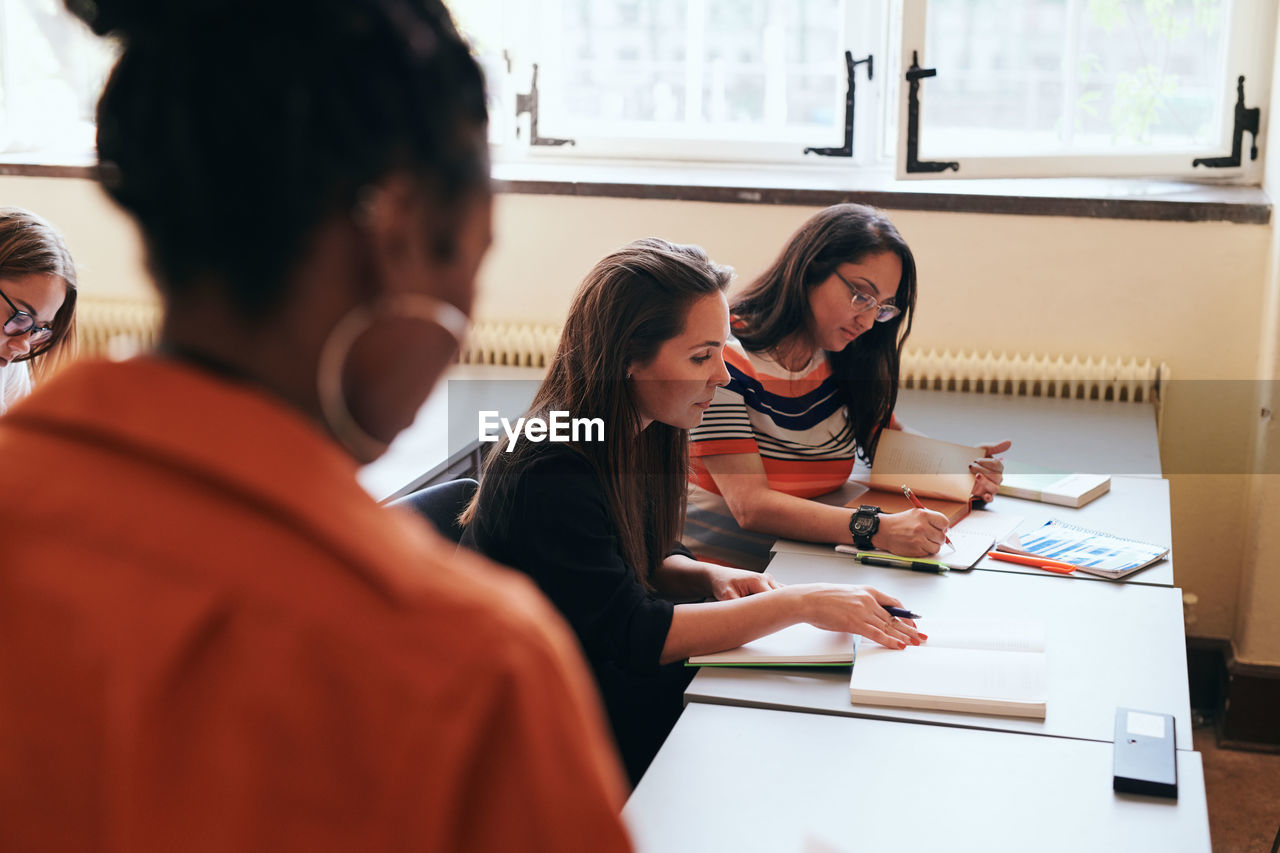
(212, 638)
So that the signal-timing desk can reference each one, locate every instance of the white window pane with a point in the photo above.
(51, 74)
(769, 70)
(1036, 77)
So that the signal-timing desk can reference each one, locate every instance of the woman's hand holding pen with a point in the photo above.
(856, 609)
(914, 533)
(989, 471)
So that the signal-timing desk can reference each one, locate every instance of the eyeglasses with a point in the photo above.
(885, 311)
(20, 322)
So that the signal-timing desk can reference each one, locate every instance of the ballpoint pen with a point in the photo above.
(900, 612)
(915, 502)
(1039, 562)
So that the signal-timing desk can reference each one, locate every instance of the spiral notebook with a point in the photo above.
(1088, 550)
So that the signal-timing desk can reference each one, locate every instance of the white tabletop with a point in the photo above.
(1108, 645)
(744, 780)
(1135, 508)
(1076, 436)
(448, 422)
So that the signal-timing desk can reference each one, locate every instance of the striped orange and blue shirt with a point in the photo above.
(795, 421)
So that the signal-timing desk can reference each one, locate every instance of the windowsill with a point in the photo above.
(818, 186)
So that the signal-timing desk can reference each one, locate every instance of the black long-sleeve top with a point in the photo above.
(552, 521)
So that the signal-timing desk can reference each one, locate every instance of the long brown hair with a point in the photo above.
(31, 246)
(776, 306)
(625, 309)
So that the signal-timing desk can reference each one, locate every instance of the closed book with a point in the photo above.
(1073, 490)
(977, 666)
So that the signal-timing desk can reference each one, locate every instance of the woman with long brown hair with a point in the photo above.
(596, 523)
(814, 359)
(38, 293)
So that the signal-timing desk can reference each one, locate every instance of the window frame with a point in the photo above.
(859, 17)
(1249, 53)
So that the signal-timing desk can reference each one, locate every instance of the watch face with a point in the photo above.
(862, 524)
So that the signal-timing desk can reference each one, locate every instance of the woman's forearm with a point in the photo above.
(780, 514)
(714, 626)
(680, 577)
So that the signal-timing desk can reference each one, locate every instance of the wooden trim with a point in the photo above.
(1159, 201)
(1256, 212)
(1241, 698)
(36, 170)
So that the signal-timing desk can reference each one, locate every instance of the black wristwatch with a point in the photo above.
(863, 524)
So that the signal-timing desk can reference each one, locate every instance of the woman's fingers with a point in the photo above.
(998, 447)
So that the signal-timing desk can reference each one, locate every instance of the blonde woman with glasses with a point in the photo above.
(37, 301)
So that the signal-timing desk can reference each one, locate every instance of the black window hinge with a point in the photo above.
(528, 103)
(914, 164)
(847, 149)
(1246, 119)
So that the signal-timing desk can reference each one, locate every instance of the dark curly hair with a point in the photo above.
(230, 129)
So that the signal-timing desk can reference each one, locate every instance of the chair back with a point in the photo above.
(441, 504)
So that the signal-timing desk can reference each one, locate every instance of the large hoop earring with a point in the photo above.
(337, 347)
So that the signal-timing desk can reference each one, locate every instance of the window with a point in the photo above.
(51, 72)
(1020, 87)
(683, 79)
(1089, 87)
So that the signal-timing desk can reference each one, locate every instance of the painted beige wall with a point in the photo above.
(1257, 636)
(1181, 293)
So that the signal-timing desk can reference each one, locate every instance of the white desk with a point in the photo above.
(1135, 508)
(446, 427)
(752, 780)
(1108, 645)
(1089, 436)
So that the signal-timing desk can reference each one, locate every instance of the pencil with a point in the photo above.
(915, 502)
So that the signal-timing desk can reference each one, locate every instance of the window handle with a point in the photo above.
(914, 74)
(847, 149)
(528, 103)
(1246, 119)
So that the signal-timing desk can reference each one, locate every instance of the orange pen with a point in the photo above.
(915, 502)
(1039, 562)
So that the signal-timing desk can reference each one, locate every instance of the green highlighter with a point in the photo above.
(871, 558)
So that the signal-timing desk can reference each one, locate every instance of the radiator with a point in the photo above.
(117, 328)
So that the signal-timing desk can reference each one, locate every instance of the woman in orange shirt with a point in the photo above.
(210, 636)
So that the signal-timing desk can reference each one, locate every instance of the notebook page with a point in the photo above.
(1010, 635)
(932, 468)
(794, 643)
(997, 525)
(946, 672)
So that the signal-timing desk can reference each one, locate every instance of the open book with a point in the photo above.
(937, 471)
(978, 666)
(796, 645)
(1088, 550)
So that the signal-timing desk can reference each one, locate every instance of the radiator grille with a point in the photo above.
(1123, 380)
(117, 328)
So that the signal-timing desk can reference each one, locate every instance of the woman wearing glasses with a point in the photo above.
(813, 362)
(38, 289)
